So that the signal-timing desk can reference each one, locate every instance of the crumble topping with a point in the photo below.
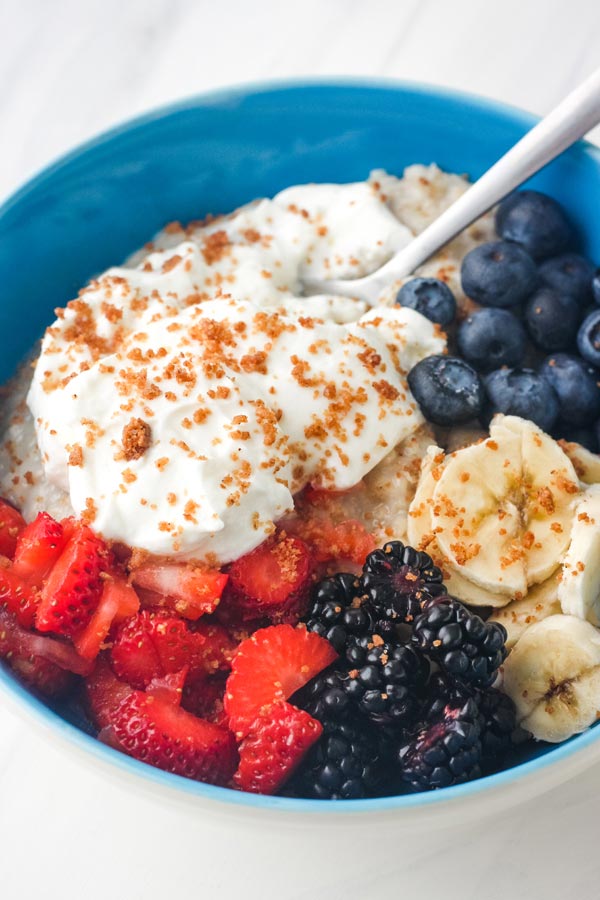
(137, 437)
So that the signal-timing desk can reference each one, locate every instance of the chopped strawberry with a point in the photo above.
(128, 602)
(118, 602)
(276, 743)
(43, 675)
(219, 646)
(11, 524)
(155, 643)
(38, 547)
(151, 729)
(103, 693)
(203, 696)
(188, 590)
(271, 582)
(272, 665)
(169, 687)
(348, 540)
(18, 596)
(16, 643)
(74, 586)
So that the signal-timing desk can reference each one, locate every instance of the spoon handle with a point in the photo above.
(568, 122)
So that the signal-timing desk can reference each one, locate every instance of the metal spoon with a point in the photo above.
(569, 121)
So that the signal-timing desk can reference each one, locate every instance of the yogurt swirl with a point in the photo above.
(183, 400)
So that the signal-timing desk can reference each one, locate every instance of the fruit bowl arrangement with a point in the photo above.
(329, 663)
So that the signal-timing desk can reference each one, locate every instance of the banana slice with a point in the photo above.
(585, 463)
(540, 602)
(579, 589)
(502, 509)
(421, 535)
(553, 678)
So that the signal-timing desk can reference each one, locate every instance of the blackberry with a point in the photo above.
(338, 610)
(344, 764)
(499, 722)
(464, 645)
(324, 698)
(497, 714)
(384, 679)
(444, 752)
(398, 580)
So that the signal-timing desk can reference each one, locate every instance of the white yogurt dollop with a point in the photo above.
(182, 400)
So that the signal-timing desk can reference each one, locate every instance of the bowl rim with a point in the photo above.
(29, 706)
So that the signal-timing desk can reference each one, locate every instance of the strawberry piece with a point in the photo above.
(18, 596)
(73, 588)
(203, 696)
(271, 665)
(11, 524)
(38, 547)
(118, 602)
(43, 675)
(153, 644)
(154, 731)
(274, 747)
(345, 541)
(103, 693)
(219, 646)
(271, 582)
(128, 602)
(18, 643)
(187, 590)
(169, 687)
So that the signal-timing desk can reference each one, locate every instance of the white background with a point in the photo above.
(70, 68)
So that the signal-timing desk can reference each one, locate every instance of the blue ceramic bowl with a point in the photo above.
(210, 154)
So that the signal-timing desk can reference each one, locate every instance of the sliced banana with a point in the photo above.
(502, 509)
(421, 535)
(540, 602)
(585, 463)
(553, 676)
(579, 589)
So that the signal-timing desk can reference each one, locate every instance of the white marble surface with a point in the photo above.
(70, 68)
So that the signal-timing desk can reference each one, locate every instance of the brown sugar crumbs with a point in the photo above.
(136, 438)
(215, 247)
(76, 456)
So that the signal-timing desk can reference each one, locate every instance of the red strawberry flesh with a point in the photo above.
(153, 644)
(18, 596)
(11, 524)
(152, 730)
(274, 747)
(188, 590)
(272, 581)
(272, 665)
(104, 693)
(74, 586)
(38, 547)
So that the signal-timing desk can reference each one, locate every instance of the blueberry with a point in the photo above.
(576, 386)
(588, 338)
(596, 287)
(521, 392)
(587, 437)
(491, 338)
(552, 319)
(535, 221)
(498, 274)
(430, 297)
(569, 274)
(447, 389)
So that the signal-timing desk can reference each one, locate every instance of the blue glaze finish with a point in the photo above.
(93, 207)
